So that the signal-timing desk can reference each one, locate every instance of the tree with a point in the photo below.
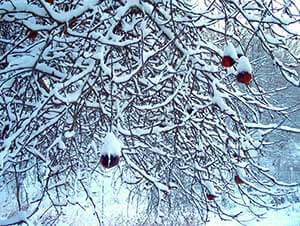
(151, 73)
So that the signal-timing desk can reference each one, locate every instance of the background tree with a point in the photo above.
(151, 73)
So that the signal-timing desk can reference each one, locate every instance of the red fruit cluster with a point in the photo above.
(50, 1)
(32, 35)
(109, 161)
(244, 77)
(227, 61)
(238, 180)
(210, 197)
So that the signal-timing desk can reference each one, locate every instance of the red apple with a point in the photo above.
(104, 161)
(227, 61)
(244, 77)
(238, 180)
(114, 160)
(109, 161)
(32, 35)
(210, 197)
(50, 1)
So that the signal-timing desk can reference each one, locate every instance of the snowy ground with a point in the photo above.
(116, 212)
(285, 217)
(75, 216)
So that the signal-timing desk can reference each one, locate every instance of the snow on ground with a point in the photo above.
(284, 217)
(117, 212)
(116, 215)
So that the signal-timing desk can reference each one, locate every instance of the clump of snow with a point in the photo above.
(61, 144)
(112, 145)
(69, 134)
(241, 173)
(244, 65)
(229, 50)
(210, 187)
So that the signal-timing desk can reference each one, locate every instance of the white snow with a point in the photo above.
(16, 5)
(273, 126)
(69, 134)
(241, 173)
(155, 181)
(111, 145)
(229, 50)
(21, 216)
(64, 17)
(244, 65)
(284, 217)
(167, 100)
(61, 144)
(210, 187)
(219, 98)
(118, 210)
(239, 50)
(273, 40)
